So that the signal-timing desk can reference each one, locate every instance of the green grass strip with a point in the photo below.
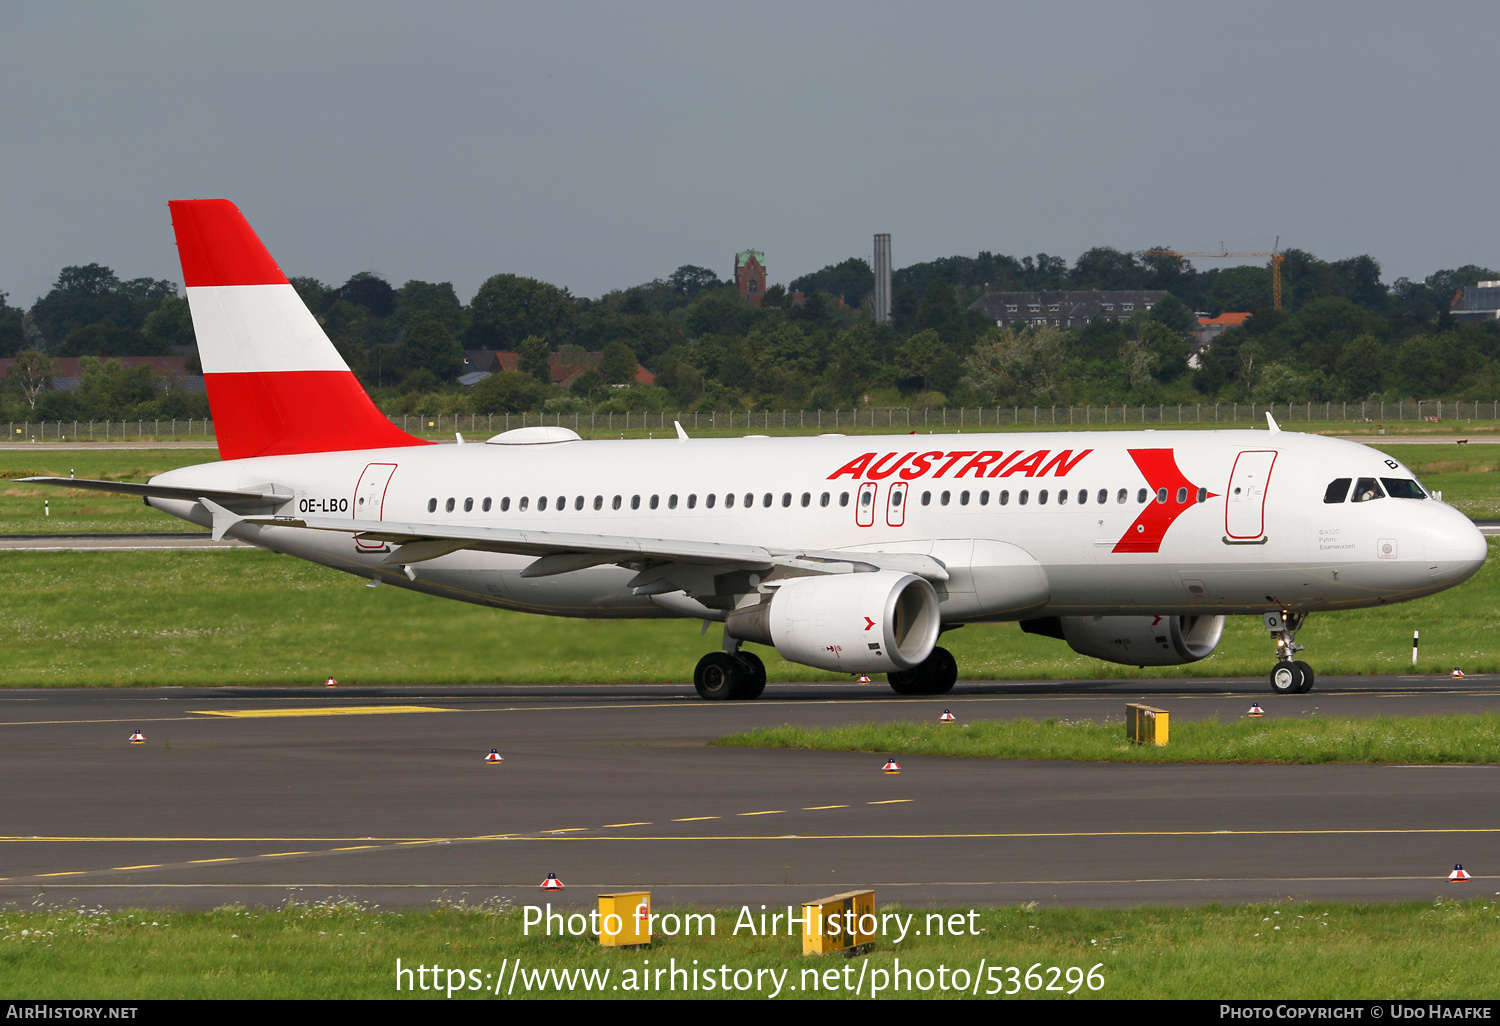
(1315, 739)
(1444, 949)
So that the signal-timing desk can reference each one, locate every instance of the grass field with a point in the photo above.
(1408, 740)
(1445, 949)
(240, 616)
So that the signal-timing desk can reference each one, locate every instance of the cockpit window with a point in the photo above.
(1402, 488)
(1367, 488)
(1338, 490)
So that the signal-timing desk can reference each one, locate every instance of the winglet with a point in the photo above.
(682, 436)
(1271, 422)
(224, 519)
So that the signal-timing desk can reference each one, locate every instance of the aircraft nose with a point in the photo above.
(1454, 547)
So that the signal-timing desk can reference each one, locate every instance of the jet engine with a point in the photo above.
(849, 623)
(1135, 640)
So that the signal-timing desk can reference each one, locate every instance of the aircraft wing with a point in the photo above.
(664, 563)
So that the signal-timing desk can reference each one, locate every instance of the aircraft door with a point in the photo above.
(1245, 504)
(864, 509)
(369, 499)
(895, 505)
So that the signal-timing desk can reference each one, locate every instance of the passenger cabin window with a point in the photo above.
(1402, 488)
(1103, 496)
(1140, 496)
(1003, 498)
(729, 501)
(1041, 497)
(1062, 497)
(1121, 496)
(448, 506)
(432, 505)
(541, 504)
(927, 498)
(984, 498)
(963, 498)
(1338, 489)
(615, 502)
(786, 499)
(486, 505)
(469, 504)
(598, 502)
(655, 501)
(578, 502)
(749, 500)
(562, 503)
(945, 497)
(671, 502)
(1202, 494)
(766, 500)
(693, 501)
(708, 500)
(524, 501)
(806, 499)
(843, 498)
(823, 500)
(896, 499)
(1367, 489)
(864, 499)
(635, 501)
(505, 504)
(1021, 499)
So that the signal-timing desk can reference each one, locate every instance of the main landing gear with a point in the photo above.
(730, 674)
(1291, 677)
(934, 675)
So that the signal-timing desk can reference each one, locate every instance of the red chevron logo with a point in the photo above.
(1173, 495)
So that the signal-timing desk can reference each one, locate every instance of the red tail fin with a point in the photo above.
(275, 383)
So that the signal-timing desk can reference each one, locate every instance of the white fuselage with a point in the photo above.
(1244, 526)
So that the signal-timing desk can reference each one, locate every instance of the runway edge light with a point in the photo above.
(864, 678)
(1255, 710)
(552, 883)
(137, 738)
(891, 766)
(1457, 672)
(330, 682)
(494, 756)
(1459, 875)
(947, 717)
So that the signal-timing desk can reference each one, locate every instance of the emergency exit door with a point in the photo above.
(1245, 505)
(369, 498)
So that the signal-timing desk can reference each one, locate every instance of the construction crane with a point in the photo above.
(1276, 259)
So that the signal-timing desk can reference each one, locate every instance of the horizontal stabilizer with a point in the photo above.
(154, 491)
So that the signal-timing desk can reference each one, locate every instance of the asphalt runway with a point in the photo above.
(381, 794)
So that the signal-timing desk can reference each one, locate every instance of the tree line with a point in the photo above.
(1342, 335)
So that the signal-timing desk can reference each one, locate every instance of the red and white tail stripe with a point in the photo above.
(275, 383)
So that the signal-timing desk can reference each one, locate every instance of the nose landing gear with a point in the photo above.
(1291, 676)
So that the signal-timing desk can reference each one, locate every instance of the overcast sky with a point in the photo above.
(601, 145)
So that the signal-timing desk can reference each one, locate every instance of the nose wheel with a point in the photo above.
(1291, 676)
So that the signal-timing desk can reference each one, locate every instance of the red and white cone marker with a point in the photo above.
(1459, 875)
(138, 738)
(552, 883)
(864, 678)
(1255, 710)
(891, 766)
(330, 683)
(1457, 672)
(494, 756)
(947, 717)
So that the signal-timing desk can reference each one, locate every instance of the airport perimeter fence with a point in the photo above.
(896, 418)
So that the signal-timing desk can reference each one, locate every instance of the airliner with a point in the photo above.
(849, 554)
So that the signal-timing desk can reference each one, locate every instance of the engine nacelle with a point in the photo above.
(1135, 640)
(849, 623)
